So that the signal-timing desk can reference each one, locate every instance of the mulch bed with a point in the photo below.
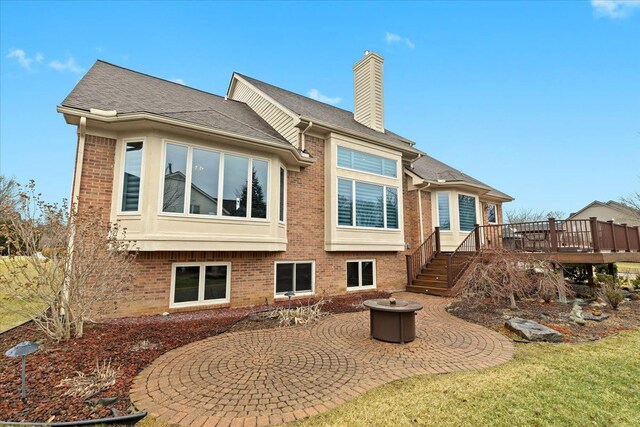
(116, 340)
(554, 315)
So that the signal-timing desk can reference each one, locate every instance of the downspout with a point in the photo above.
(302, 134)
(75, 189)
(420, 211)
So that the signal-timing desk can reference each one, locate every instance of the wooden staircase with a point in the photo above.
(433, 278)
(434, 272)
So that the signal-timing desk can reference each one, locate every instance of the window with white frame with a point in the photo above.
(365, 162)
(297, 277)
(132, 177)
(200, 283)
(200, 181)
(492, 213)
(467, 212)
(444, 217)
(361, 274)
(363, 204)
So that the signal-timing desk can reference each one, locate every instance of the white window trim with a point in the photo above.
(187, 194)
(360, 287)
(276, 295)
(201, 301)
(365, 172)
(475, 205)
(495, 209)
(448, 193)
(353, 206)
(123, 159)
(283, 196)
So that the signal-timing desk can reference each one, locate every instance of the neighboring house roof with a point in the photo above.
(430, 169)
(325, 113)
(110, 87)
(612, 204)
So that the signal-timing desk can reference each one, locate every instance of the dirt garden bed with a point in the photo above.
(554, 315)
(130, 344)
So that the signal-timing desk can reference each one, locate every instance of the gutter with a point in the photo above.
(302, 134)
(123, 118)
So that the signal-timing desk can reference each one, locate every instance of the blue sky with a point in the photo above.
(538, 99)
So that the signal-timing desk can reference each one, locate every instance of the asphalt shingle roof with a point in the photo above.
(430, 169)
(329, 114)
(109, 87)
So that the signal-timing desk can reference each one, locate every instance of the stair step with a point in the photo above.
(428, 290)
(432, 277)
(430, 283)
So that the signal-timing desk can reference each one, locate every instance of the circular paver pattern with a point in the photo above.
(271, 376)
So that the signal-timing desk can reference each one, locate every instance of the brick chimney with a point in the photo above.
(368, 96)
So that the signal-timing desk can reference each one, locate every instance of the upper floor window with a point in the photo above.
(363, 204)
(195, 180)
(131, 180)
(365, 162)
(467, 211)
(492, 213)
(444, 217)
(283, 190)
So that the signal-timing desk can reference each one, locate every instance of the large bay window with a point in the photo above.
(363, 204)
(196, 179)
(132, 177)
(200, 284)
(467, 211)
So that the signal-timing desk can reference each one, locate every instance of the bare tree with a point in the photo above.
(8, 193)
(531, 215)
(89, 264)
(632, 201)
(505, 276)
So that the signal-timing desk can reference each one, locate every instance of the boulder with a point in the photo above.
(600, 318)
(533, 331)
(576, 314)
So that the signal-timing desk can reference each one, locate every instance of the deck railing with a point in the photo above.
(423, 255)
(459, 259)
(579, 235)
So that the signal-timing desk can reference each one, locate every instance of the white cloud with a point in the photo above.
(179, 81)
(70, 65)
(614, 8)
(315, 94)
(392, 38)
(22, 58)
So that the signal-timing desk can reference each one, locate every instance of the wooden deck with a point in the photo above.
(566, 242)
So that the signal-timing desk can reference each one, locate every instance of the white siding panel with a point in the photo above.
(277, 119)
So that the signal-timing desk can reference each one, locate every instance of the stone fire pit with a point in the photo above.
(393, 320)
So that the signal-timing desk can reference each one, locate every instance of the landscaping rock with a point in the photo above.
(589, 316)
(533, 331)
(576, 314)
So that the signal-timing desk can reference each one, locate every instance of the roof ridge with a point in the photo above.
(168, 81)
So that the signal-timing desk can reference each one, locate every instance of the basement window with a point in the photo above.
(361, 274)
(297, 277)
(200, 284)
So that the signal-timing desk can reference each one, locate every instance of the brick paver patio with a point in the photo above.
(271, 376)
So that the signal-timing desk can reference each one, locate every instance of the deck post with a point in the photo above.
(476, 231)
(553, 235)
(613, 236)
(627, 241)
(595, 239)
(638, 233)
(409, 272)
(437, 240)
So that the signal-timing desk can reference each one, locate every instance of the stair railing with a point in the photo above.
(459, 260)
(422, 255)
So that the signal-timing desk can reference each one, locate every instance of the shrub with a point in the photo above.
(636, 282)
(611, 293)
(101, 378)
(300, 315)
(504, 276)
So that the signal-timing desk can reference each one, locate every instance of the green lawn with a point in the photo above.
(9, 306)
(595, 384)
(628, 267)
